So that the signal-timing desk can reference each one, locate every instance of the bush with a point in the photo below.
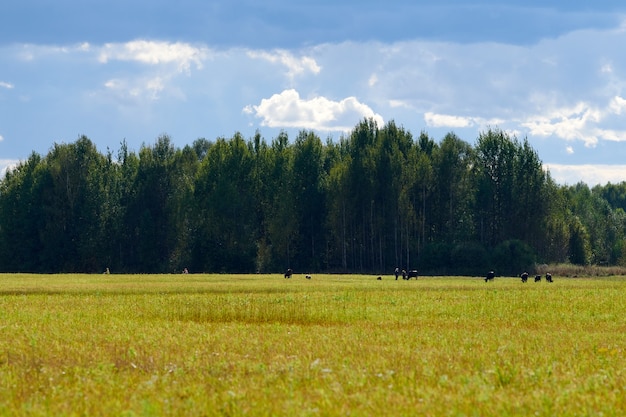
(435, 258)
(469, 258)
(513, 257)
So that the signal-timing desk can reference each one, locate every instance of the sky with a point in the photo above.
(551, 72)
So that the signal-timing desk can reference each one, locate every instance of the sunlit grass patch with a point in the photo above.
(333, 345)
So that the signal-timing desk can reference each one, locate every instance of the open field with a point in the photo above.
(151, 345)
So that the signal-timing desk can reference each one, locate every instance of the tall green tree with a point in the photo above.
(494, 178)
(151, 212)
(73, 199)
(21, 216)
(226, 234)
(453, 220)
(309, 199)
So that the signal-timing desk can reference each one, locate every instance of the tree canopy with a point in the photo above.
(374, 200)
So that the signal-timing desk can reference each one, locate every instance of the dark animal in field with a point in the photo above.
(308, 276)
(411, 274)
(537, 278)
(397, 272)
(490, 276)
(548, 277)
(403, 274)
(524, 276)
(381, 278)
(288, 273)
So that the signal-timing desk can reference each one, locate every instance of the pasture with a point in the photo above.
(262, 345)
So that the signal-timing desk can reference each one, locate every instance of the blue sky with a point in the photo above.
(552, 72)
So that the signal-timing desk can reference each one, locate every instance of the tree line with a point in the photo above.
(375, 199)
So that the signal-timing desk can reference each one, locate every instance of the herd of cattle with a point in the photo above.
(413, 274)
(524, 276)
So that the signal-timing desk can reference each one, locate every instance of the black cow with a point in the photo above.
(411, 274)
(537, 278)
(308, 276)
(524, 276)
(396, 272)
(288, 273)
(548, 277)
(490, 276)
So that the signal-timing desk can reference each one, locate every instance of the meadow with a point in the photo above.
(262, 345)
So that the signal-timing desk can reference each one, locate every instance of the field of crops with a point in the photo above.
(262, 345)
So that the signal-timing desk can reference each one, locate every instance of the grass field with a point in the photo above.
(261, 345)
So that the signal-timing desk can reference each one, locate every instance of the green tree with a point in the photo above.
(21, 215)
(579, 249)
(309, 199)
(494, 173)
(226, 234)
(453, 219)
(155, 213)
(73, 199)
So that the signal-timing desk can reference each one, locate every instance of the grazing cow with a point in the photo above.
(524, 276)
(537, 278)
(412, 274)
(548, 277)
(490, 276)
(288, 273)
(381, 278)
(308, 276)
(397, 272)
(404, 274)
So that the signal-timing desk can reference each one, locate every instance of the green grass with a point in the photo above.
(151, 345)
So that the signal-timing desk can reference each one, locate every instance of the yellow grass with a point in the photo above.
(164, 345)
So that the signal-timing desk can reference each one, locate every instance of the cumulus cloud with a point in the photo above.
(136, 89)
(446, 120)
(183, 55)
(588, 173)
(289, 110)
(454, 122)
(295, 65)
(617, 105)
(581, 121)
(32, 52)
(7, 164)
(6, 85)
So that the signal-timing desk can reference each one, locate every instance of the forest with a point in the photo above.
(373, 200)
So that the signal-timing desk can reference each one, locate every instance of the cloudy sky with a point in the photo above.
(550, 71)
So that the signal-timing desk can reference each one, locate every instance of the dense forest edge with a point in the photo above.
(374, 200)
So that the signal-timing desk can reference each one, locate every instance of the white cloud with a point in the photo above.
(155, 53)
(569, 150)
(6, 85)
(457, 122)
(617, 105)
(289, 110)
(446, 120)
(32, 52)
(148, 88)
(7, 164)
(587, 173)
(579, 122)
(295, 66)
